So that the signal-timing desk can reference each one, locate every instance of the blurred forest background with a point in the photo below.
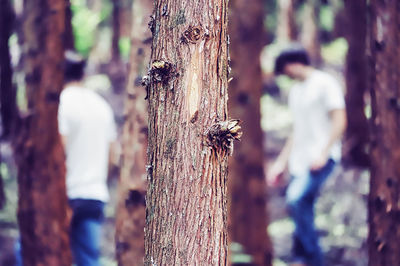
(111, 33)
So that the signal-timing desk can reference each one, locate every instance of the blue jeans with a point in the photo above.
(85, 231)
(301, 196)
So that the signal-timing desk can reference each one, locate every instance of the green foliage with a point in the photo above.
(335, 52)
(271, 16)
(326, 18)
(85, 22)
(124, 46)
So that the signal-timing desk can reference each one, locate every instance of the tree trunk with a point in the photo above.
(42, 204)
(384, 198)
(357, 137)
(69, 42)
(247, 210)
(131, 213)
(309, 32)
(7, 90)
(115, 54)
(189, 134)
(286, 28)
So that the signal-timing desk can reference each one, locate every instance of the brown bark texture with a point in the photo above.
(309, 33)
(131, 209)
(286, 29)
(246, 182)
(190, 135)
(357, 133)
(384, 197)
(7, 90)
(42, 204)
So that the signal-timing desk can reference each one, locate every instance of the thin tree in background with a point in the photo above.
(116, 25)
(384, 198)
(7, 90)
(286, 28)
(42, 204)
(246, 182)
(190, 136)
(309, 32)
(69, 42)
(131, 213)
(357, 137)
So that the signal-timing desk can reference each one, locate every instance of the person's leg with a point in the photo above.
(85, 242)
(85, 231)
(301, 195)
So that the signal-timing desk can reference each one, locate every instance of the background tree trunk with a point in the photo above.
(42, 204)
(384, 198)
(247, 188)
(189, 137)
(69, 42)
(131, 213)
(115, 54)
(286, 26)
(309, 32)
(7, 90)
(357, 134)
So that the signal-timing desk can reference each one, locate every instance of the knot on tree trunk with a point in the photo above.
(221, 135)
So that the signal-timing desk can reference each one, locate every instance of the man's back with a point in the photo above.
(86, 120)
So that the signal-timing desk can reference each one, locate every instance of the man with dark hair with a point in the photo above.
(86, 124)
(311, 152)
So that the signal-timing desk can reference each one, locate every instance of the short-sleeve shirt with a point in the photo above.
(310, 102)
(87, 122)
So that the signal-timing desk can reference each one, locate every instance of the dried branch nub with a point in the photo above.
(221, 135)
(192, 34)
(160, 71)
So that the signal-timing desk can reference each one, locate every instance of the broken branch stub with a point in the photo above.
(221, 135)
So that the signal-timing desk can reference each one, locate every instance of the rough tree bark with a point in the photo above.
(384, 198)
(131, 214)
(190, 135)
(7, 90)
(246, 185)
(286, 28)
(357, 133)
(309, 33)
(42, 204)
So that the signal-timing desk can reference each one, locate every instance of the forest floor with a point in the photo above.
(341, 212)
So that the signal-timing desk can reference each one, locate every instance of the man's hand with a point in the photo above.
(275, 174)
(319, 162)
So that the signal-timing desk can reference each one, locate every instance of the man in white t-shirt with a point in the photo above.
(317, 105)
(86, 124)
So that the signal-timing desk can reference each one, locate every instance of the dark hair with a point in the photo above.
(74, 66)
(291, 55)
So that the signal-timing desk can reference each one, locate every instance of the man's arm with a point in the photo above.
(275, 172)
(339, 123)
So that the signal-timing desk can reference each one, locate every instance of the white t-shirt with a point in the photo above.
(87, 122)
(310, 102)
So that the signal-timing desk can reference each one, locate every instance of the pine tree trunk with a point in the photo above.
(286, 28)
(247, 208)
(7, 90)
(357, 137)
(384, 198)
(309, 32)
(42, 204)
(189, 135)
(131, 213)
